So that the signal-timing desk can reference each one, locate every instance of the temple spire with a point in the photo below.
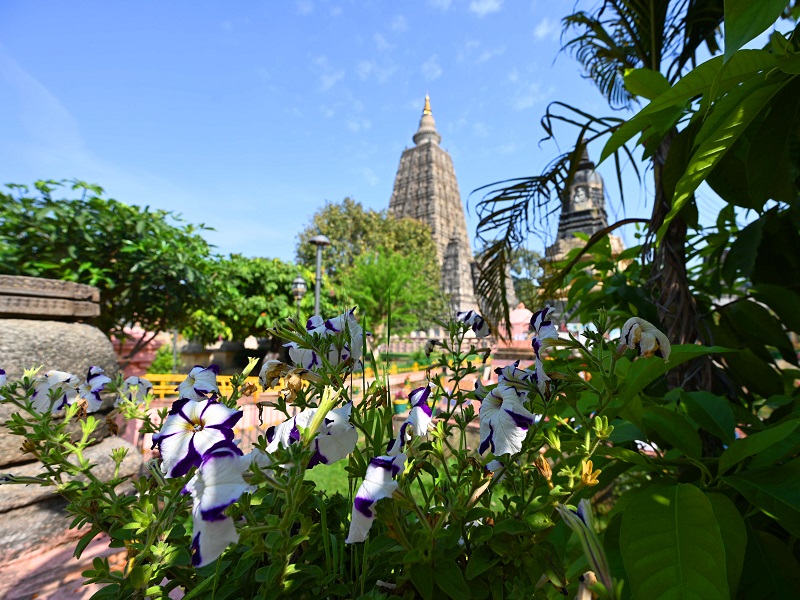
(427, 126)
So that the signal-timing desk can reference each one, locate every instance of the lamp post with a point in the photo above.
(320, 241)
(299, 288)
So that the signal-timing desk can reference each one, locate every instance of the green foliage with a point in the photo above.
(251, 295)
(151, 268)
(163, 363)
(390, 293)
(354, 231)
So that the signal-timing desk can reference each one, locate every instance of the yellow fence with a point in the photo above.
(164, 385)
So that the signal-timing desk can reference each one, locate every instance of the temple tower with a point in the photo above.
(426, 189)
(583, 210)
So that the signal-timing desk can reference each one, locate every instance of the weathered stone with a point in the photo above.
(71, 347)
(14, 496)
(426, 189)
(15, 285)
(47, 307)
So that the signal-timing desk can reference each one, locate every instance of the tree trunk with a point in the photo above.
(677, 309)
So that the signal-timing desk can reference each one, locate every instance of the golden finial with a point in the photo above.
(427, 109)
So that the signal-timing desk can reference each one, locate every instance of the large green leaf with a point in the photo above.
(672, 546)
(753, 444)
(450, 580)
(758, 327)
(772, 572)
(673, 428)
(727, 122)
(783, 301)
(775, 491)
(745, 19)
(646, 83)
(697, 81)
(734, 536)
(712, 413)
(645, 371)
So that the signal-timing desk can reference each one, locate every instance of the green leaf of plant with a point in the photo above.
(422, 578)
(783, 301)
(772, 571)
(734, 536)
(645, 371)
(481, 559)
(673, 428)
(727, 122)
(712, 413)
(450, 580)
(775, 491)
(745, 19)
(753, 444)
(646, 83)
(672, 546)
(700, 79)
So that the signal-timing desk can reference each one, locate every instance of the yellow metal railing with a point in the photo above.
(165, 384)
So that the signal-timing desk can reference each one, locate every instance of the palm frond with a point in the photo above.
(511, 210)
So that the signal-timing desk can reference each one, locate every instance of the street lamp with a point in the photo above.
(319, 241)
(299, 288)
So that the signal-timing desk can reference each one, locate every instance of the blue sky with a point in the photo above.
(248, 116)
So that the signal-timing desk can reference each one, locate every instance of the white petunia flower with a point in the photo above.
(378, 483)
(2, 377)
(419, 418)
(65, 384)
(475, 321)
(345, 325)
(96, 380)
(645, 338)
(199, 383)
(216, 485)
(543, 329)
(134, 389)
(504, 421)
(191, 431)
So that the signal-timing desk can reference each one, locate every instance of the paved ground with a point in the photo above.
(54, 574)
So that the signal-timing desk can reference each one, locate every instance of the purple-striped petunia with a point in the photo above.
(379, 482)
(2, 377)
(216, 485)
(134, 389)
(418, 420)
(543, 329)
(96, 380)
(65, 384)
(336, 438)
(504, 421)
(645, 338)
(191, 430)
(475, 321)
(345, 325)
(199, 383)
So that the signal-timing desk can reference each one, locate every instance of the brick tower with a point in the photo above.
(426, 189)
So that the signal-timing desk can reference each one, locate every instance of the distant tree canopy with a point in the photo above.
(251, 295)
(354, 231)
(151, 267)
(390, 293)
(379, 262)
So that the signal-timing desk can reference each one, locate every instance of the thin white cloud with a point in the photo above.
(369, 69)
(440, 4)
(355, 124)
(335, 11)
(381, 43)
(546, 29)
(485, 7)
(370, 176)
(489, 54)
(304, 7)
(431, 69)
(227, 26)
(527, 97)
(399, 24)
(328, 80)
(513, 76)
